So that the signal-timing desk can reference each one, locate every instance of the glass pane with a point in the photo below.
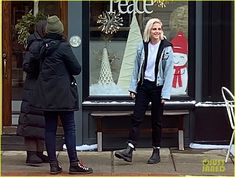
(18, 76)
(49, 8)
(19, 9)
(112, 55)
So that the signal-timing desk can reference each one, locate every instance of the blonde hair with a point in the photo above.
(148, 27)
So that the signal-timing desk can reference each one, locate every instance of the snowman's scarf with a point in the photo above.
(177, 76)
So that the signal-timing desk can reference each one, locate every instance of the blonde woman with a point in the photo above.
(151, 82)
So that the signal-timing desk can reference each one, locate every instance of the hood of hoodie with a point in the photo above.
(52, 42)
(50, 46)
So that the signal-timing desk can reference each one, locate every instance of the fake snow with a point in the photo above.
(209, 146)
(84, 147)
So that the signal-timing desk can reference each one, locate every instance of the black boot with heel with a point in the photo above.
(155, 157)
(125, 154)
(32, 159)
(44, 158)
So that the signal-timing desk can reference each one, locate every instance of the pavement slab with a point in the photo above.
(203, 162)
(173, 163)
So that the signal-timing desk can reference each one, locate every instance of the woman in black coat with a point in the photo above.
(56, 94)
(31, 122)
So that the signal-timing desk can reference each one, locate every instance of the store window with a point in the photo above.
(115, 32)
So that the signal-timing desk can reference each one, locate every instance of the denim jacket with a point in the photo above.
(165, 70)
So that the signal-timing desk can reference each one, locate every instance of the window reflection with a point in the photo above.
(112, 57)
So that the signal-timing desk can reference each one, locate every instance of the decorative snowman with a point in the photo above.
(180, 79)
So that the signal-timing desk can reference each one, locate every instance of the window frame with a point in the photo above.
(86, 51)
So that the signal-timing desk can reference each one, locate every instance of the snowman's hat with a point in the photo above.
(180, 43)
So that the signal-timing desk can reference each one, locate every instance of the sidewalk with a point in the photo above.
(173, 163)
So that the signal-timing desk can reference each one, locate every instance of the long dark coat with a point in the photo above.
(53, 90)
(31, 122)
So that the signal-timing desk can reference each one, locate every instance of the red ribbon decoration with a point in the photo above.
(177, 76)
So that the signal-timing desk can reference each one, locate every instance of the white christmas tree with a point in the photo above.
(105, 71)
(105, 85)
(134, 38)
(110, 23)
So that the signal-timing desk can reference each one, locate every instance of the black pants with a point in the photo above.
(146, 93)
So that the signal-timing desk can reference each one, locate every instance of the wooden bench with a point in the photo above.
(179, 114)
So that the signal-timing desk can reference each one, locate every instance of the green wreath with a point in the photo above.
(25, 26)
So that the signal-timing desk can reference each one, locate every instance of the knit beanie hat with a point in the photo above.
(54, 25)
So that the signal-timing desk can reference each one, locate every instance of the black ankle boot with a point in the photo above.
(55, 168)
(79, 168)
(44, 158)
(125, 154)
(155, 157)
(32, 159)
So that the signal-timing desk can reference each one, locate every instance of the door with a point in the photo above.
(13, 76)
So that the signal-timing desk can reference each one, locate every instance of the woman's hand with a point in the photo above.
(132, 95)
